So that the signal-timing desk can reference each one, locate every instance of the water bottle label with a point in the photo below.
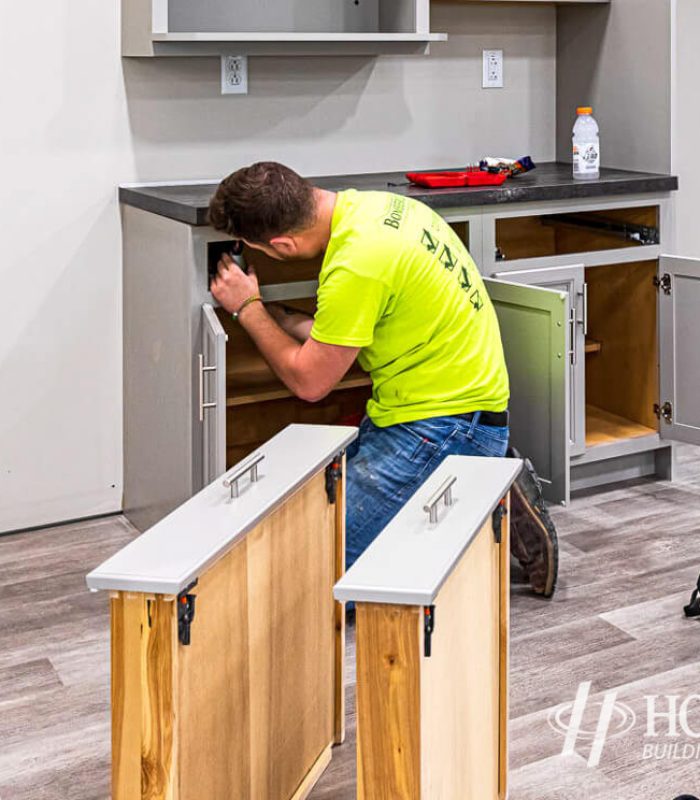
(586, 158)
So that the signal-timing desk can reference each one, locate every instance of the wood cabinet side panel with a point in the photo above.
(127, 618)
(214, 714)
(144, 677)
(292, 648)
(389, 652)
(460, 682)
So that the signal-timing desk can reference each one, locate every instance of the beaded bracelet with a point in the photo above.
(255, 298)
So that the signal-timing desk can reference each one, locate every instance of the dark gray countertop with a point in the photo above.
(550, 181)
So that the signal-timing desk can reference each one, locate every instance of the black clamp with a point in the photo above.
(334, 472)
(497, 520)
(693, 608)
(185, 613)
(428, 628)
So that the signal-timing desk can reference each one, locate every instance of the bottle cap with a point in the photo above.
(584, 110)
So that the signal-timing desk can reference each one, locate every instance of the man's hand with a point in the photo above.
(232, 287)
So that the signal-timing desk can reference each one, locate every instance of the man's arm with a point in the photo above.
(297, 324)
(310, 370)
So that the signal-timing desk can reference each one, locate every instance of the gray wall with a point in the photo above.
(686, 127)
(73, 131)
(617, 58)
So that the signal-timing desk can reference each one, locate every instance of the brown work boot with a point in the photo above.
(533, 537)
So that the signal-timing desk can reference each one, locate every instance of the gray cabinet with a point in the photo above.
(633, 374)
(584, 376)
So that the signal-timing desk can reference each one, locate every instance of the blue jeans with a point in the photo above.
(387, 465)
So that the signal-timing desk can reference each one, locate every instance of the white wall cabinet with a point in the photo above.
(276, 27)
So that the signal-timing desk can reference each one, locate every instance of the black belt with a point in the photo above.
(497, 419)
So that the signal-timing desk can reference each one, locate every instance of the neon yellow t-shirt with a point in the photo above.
(397, 282)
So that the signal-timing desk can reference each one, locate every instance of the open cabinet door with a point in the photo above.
(679, 355)
(569, 279)
(212, 395)
(535, 331)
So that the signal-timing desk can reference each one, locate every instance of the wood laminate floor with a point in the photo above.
(629, 557)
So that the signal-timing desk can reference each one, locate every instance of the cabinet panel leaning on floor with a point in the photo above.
(399, 292)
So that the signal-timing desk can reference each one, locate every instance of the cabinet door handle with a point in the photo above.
(202, 405)
(444, 491)
(572, 334)
(231, 480)
(584, 311)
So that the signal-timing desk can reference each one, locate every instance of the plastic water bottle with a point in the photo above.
(586, 146)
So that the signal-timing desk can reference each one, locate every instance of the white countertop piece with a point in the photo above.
(170, 555)
(411, 559)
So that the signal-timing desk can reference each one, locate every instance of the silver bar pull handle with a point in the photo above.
(583, 322)
(572, 335)
(431, 507)
(231, 480)
(202, 405)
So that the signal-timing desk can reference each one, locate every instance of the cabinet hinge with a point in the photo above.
(334, 472)
(663, 282)
(497, 520)
(665, 411)
(428, 628)
(185, 613)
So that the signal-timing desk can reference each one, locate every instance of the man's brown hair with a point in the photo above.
(262, 201)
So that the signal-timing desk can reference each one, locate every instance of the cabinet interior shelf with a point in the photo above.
(593, 346)
(277, 391)
(602, 427)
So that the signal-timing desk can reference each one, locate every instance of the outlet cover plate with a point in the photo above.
(234, 74)
(493, 69)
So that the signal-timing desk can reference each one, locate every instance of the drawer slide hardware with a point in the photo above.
(664, 412)
(185, 613)
(663, 282)
(231, 480)
(445, 491)
(642, 234)
(428, 628)
(497, 520)
(334, 472)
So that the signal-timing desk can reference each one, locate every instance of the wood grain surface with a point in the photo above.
(460, 683)
(388, 702)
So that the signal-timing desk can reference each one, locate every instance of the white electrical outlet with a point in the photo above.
(234, 74)
(493, 69)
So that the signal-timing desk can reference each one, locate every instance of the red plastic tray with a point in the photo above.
(471, 177)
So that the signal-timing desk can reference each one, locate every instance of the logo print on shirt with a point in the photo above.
(447, 259)
(430, 244)
(464, 281)
(476, 300)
